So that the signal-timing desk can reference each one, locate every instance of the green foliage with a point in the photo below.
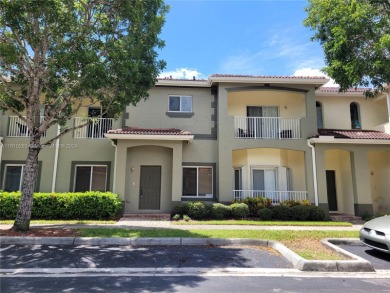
(198, 210)
(239, 210)
(255, 204)
(316, 213)
(281, 212)
(186, 218)
(300, 212)
(180, 209)
(265, 214)
(176, 217)
(220, 211)
(355, 37)
(291, 202)
(88, 205)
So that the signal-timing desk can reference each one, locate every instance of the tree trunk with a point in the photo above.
(22, 221)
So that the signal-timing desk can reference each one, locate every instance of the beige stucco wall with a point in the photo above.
(379, 172)
(152, 113)
(336, 111)
(290, 104)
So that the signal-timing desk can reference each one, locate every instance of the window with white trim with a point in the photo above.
(13, 175)
(197, 181)
(90, 178)
(180, 104)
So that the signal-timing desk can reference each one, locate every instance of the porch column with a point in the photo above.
(321, 178)
(177, 173)
(120, 169)
(361, 183)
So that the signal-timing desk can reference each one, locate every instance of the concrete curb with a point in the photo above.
(355, 264)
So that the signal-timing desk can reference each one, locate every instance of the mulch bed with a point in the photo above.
(41, 232)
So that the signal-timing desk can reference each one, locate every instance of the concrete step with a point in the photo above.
(346, 218)
(148, 217)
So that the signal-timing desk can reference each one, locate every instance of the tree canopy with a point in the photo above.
(57, 55)
(355, 36)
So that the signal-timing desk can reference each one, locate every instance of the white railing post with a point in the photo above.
(94, 130)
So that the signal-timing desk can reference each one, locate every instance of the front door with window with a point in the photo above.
(150, 188)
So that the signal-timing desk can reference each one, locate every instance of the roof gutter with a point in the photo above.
(188, 138)
(332, 140)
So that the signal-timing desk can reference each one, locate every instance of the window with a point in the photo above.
(180, 104)
(13, 175)
(89, 178)
(320, 122)
(355, 117)
(198, 181)
(237, 179)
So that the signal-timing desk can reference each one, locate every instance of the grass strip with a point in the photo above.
(62, 222)
(264, 223)
(304, 243)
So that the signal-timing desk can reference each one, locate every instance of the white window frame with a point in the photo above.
(180, 97)
(266, 168)
(21, 175)
(197, 182)
(90, 179)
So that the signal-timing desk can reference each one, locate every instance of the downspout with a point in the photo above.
(114, 167)
(56, 152)
(313, 156)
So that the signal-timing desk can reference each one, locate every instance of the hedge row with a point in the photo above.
(254, 208)
(79, 205)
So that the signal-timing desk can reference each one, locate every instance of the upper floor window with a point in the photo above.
(180, 104)
(320, 121)
(355, 115)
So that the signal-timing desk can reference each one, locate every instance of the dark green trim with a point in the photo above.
(214, 165)
(362, 209)
(180, 114)
(6, 162)
(212, 136)
(89, 163)
(265, 87)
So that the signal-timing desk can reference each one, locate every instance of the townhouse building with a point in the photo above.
(224, 138)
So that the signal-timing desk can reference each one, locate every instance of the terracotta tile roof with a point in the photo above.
(354, 134)
(181, 79)
(336, 90)
(267, 76)
(149, 131)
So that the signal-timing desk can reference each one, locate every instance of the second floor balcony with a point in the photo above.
(17, 127)
(267, 127)
(96, 128)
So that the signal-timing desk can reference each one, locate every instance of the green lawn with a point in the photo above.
(263, 223)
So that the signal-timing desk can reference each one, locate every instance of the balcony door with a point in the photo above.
(100, 126)
(263, 182)
(263, 122)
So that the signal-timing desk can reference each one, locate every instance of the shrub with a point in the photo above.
(186, 218)
(255, 204)
(239, 210)
(176, 217)
(79, 205)
(265, 214)
(181, 209)
(316, 213)
(220, 211)
(198, 210)
(281, 212)
(300, 212)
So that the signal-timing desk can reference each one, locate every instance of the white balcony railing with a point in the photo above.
(267, 127)
(17, 127)
(275, 196)
(96, 129)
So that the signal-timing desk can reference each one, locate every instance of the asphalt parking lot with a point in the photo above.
(87, 256)
(380, 260)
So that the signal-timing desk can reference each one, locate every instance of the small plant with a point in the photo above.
(239, 210)
(198, 210)
(181, 209)
(176, 217)
(265, 214)
(186, 218)
(300, 212)
(220, 211)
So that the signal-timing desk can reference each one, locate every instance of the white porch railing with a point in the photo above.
(17, 127)
(96, 129)
(267, 127)
(275, 196)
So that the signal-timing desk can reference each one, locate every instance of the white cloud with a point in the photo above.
(315, 72)
(182, 73)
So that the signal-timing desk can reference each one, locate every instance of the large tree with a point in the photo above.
(58, 55)
(355, 36)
